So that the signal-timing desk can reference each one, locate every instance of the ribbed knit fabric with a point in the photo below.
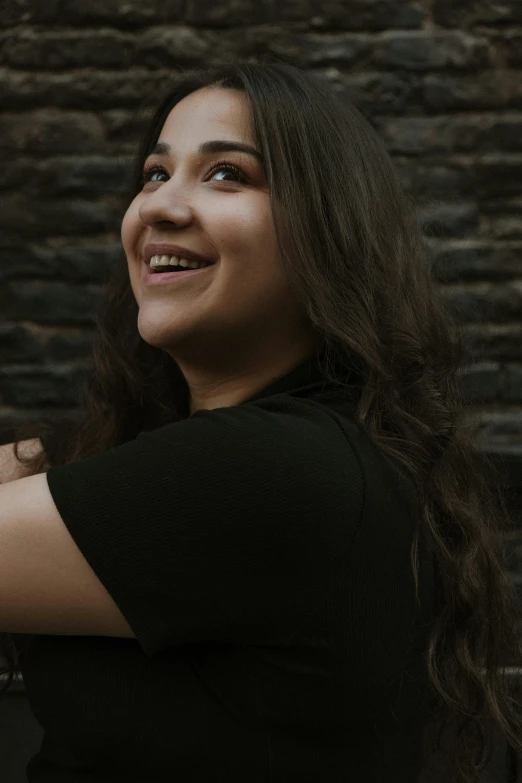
(261, 555)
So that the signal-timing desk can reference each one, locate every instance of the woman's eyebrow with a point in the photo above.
(212, 147)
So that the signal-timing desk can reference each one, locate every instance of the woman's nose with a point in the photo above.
(164, 205)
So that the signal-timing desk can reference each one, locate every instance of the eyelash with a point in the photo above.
(149, 170)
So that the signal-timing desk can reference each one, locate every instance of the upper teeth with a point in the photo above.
(175, 261)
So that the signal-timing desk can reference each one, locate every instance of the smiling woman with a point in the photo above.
(235, 326)
(267, 546)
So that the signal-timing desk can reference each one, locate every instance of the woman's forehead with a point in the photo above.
(216, 111)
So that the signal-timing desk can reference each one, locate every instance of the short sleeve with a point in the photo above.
(224, 526)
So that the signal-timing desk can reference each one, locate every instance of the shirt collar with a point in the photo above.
(305, 380)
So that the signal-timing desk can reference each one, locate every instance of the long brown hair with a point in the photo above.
(354, 252)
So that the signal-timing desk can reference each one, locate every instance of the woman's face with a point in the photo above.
(227, 323)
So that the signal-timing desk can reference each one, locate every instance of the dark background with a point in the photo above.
(441, 80)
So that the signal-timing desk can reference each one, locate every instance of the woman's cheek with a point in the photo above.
(128, 227)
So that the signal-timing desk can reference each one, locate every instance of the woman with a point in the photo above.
(266, 551)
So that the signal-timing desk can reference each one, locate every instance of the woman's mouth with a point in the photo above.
(155, 278)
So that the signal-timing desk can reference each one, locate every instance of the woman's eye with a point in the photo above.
(149, 174)
(230, 169)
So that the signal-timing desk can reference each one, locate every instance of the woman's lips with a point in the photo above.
(155, 278)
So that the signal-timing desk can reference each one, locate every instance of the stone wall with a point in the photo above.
(440, 79)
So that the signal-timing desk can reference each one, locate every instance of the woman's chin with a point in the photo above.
(156, 335)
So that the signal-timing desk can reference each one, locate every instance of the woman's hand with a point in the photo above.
(10, 468)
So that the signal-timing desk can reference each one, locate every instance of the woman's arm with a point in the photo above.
(10, 468)
(46, 584)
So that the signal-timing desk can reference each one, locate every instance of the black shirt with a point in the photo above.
(261, 555)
